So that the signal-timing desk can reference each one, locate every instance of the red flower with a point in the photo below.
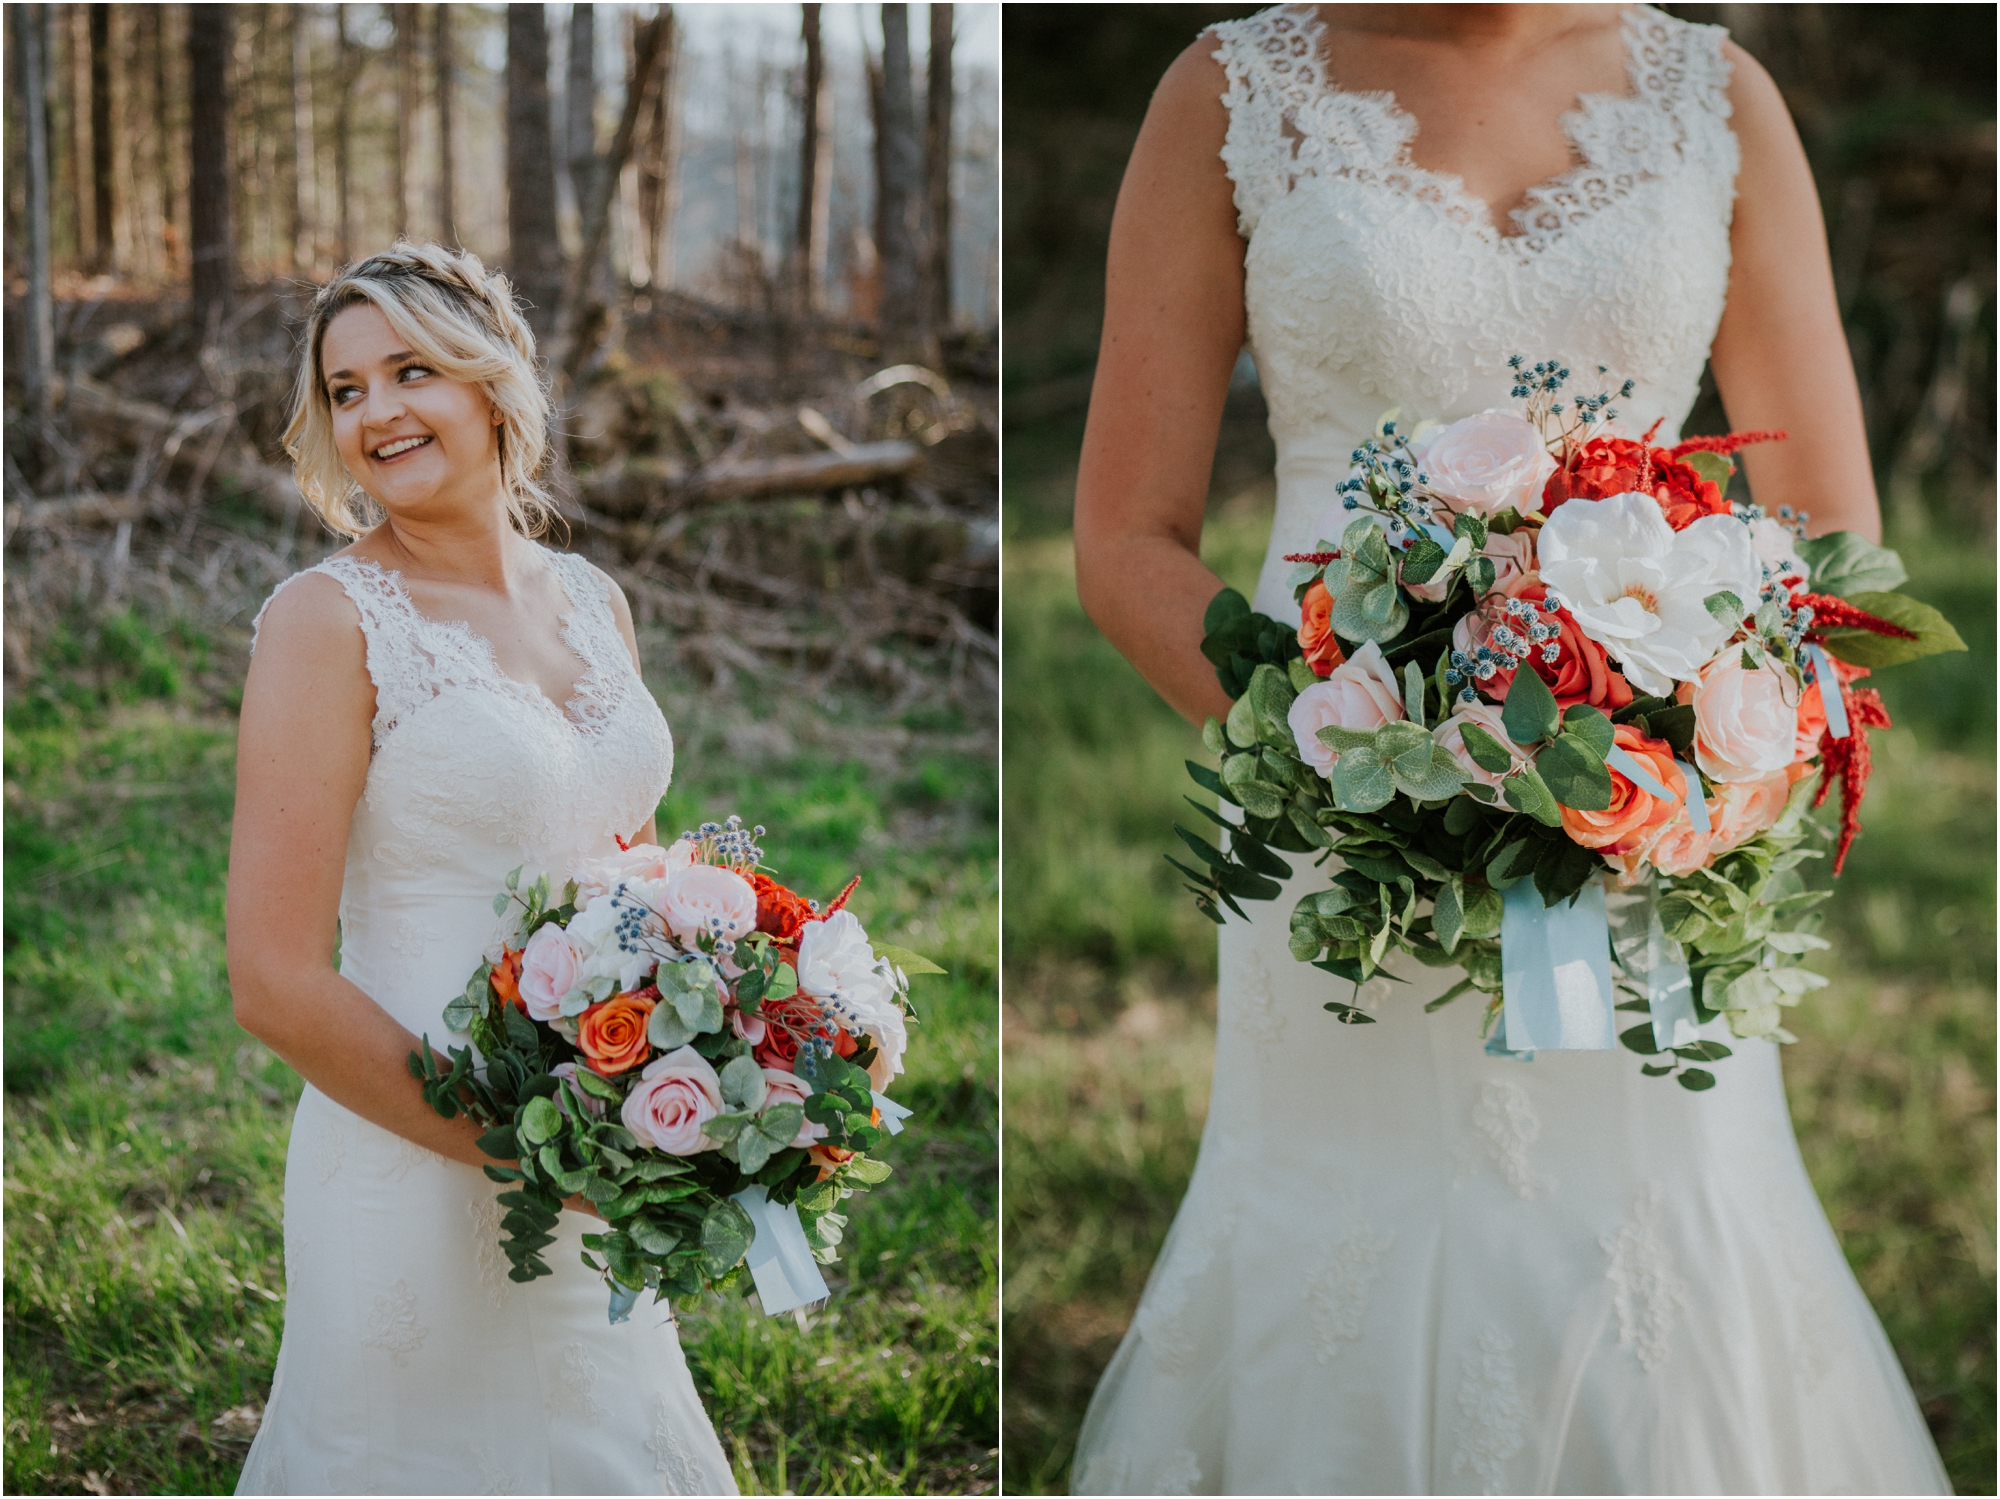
(779, 911)
(1606, 466)
(1581, 672)
(787, 1023)
(1849, 759)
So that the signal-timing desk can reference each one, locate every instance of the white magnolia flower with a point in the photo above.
(1486, 463)
(1640, 589)
(1778, 549)
(839, 968)
(593, 934)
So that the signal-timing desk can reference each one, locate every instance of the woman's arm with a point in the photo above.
(301, 761)
(1173, 327)
(1780, 356)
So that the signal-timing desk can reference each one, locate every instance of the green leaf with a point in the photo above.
(868, 1172)
(461, 1012)
(1575, 774)
(1591, 726)
(1675, 725)
(1845, 563)
(1361, 781)
(743, 1085)
(1714, 467)
(1657, 1069)
(1241, 725)
(1725, 606)
(726, 1234)
(1413, 693)
(500, 1143)
(1864, 648)
(1448, 913)
(912, 963)
(666, 1030)
(539, 1121)
(500, 903)
(1640, 1039)
(1403, 739)
(1526, 792)
(1488, 753)
(1261, 798)
(1211, 736)
(1440, 777)
(1223, 610)
(1422, 561)
(1695, 1080)
(1482, 911)
(1271, 695)
(652, 1238)
(1529, 714)
(1334, 737)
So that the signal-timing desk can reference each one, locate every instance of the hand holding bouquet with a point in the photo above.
(693, 1048)
(1542, 657)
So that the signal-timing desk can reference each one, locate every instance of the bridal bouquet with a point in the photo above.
(1561, 710)
(696, 1050)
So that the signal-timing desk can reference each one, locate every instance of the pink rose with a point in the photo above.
(1361, 694)
(1746, 719)
(707, 898)
(549, 970)
(1513, 559)
(675, 1096)
(1486, 463)
(750, 1028)
(788, 1087)
(1743, 809)
(630, 866)
(1677, 848)
(1451, 734)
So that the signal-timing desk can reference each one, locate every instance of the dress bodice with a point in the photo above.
(1372, 284)
(473, 773)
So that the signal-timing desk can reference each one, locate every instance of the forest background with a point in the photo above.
(759, 245)
(1109, 1019)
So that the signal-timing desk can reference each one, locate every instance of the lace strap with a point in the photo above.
(1273, 63)
(590, 629)
(1680, 63)
(402, 664)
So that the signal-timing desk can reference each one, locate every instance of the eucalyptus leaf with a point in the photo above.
(1361, 781)
(1488, 753)
(743, 1085)
(1529, 713)
(539, 1121)
(1575, 774)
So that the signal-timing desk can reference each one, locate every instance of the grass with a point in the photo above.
(145, 1134)
(1110, 1000)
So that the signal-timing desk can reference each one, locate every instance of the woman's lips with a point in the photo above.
(416, 444)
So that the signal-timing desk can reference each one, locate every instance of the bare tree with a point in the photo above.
(213, 249)
(815, 174)
(447, 211)
(348, 73)
(165, 166)
(899, 185)
(657, 147)
(532, 240)
(406, 110)
(937, 169)
(304, 159)
(580, 108)
(30, 46)
(103, 249)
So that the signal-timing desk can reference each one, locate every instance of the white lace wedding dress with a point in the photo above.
(1405, 1266)
(410, 1363)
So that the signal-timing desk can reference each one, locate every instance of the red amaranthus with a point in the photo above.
(1849, 759)
(1607, 466)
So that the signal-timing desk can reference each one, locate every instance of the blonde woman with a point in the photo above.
(1403, 1265)
(437, 703)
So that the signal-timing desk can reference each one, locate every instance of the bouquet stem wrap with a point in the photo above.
(780, 1261)
(1650, 956)
(1555, 971)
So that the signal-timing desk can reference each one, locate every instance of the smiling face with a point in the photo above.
(415, 440)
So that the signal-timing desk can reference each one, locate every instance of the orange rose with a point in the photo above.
(506, 976)
(612, 1035)
(826, 1157)
(1316, 636)
(1634, 812)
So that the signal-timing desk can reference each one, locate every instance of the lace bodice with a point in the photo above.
(1371, 283)
(473, 773)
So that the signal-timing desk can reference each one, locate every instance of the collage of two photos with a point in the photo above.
(966, 748)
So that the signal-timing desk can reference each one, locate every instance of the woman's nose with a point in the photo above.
(382, 405)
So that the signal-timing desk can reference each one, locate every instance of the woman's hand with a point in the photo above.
(1780, 356)
(302, 759)
(1173, 326)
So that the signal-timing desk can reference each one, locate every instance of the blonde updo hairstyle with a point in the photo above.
(459, 319)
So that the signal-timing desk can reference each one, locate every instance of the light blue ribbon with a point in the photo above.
(622, 1302)
(893, 1113)
(1438, 534)
(1622, 762)
(1555, 971)
(1650, 957)
(1829, 693)
(1697, 803)
(780, 1260)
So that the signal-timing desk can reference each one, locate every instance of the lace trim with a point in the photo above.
(1646, 1287)
(1163, 1315)
(1180, 1473)
(672, 1459)
(1506, 1121)
(393, 1326)
(1288, 119)
(1492, 1411)
(1340, 1290)
(412, 657)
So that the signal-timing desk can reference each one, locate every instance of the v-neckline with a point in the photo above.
(489, 659)
(1478, 211)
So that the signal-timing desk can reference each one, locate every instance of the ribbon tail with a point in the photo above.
(623, 1299)
(893, 1113)
(1555, 971)
(780, 1260)
(1829, 693)
(1649, 956)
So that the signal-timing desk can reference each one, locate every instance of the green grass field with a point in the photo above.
(1110, 998)
(145, 1133)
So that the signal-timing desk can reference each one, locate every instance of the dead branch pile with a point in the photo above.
(769, 501)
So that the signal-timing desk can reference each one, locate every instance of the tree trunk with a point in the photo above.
(406, 110)
(937, 170)
(31, 51)
(447, 211)
(899, 187)
(165, 162)
(213, 250)
(532, 242)
(305, 162)
(104, 240)
(343, 142)
(815, 178)
(580, 110)
(73, 91)
(656, 151)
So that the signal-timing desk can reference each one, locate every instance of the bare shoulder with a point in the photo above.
(1757, 108)
(310, 616)
(1189, 96)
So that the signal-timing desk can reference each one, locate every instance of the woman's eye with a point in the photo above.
(412, 369)
(341, 393)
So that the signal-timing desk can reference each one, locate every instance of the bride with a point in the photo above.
(434, 705)
(1404, 1266)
